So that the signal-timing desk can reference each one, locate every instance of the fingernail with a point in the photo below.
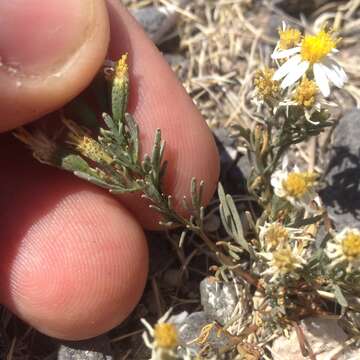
(37, 36)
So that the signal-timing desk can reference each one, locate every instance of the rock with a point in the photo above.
(179, 64)
(342, 193)
(157, 21)
(175, 60)
(93, 349)
(221, 302)
(192, 327)
(325, 338)
(218, 299)
(152, 19)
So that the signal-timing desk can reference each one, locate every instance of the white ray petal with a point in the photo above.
(283, 70)
(338, 75)
(334, 76)
(344, 75)
(296, 73)
(340, 72)
(321, 79)
(285, 53)
(285, 164)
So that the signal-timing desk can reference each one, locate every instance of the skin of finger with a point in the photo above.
(158, 100)
(73, 262)
(37, 90)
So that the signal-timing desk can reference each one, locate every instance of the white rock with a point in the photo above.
(325, 337)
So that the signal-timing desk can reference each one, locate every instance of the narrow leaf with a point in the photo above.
(340, 296)
(182, 238)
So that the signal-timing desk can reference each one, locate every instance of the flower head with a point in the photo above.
(289, 37)
(266, 87)
(344, 249)
(85, 144)
(305, 93)
(273, 235)
(285, 261)
(276, 235)
(313, 55)
(122, 68)
(314, 48)
(165, 335)
(163, 338)
(296, 186)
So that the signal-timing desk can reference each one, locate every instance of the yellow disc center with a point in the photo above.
(276, 235)
(284, 260)
(315, 47)
(165, 335)
(351, 245)
(297, 184)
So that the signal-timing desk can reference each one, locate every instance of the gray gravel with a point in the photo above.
(342, 193)
(93, 349)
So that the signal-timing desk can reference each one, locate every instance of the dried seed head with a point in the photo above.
(266, 87)
(305, 93)
(44, 149)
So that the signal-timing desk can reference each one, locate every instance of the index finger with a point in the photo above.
(158, 100)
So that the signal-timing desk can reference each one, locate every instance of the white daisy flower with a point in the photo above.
(313, 53)
(307, 96)
(296, 186)
(275, 235)
(344, 249)
(285, 261)
(163, 338)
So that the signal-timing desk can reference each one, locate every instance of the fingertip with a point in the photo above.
(50, 51)
(74, 263)
(75, 279)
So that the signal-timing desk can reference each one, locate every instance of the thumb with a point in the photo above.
(49, 52)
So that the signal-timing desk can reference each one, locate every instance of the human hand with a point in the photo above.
(73, 259)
